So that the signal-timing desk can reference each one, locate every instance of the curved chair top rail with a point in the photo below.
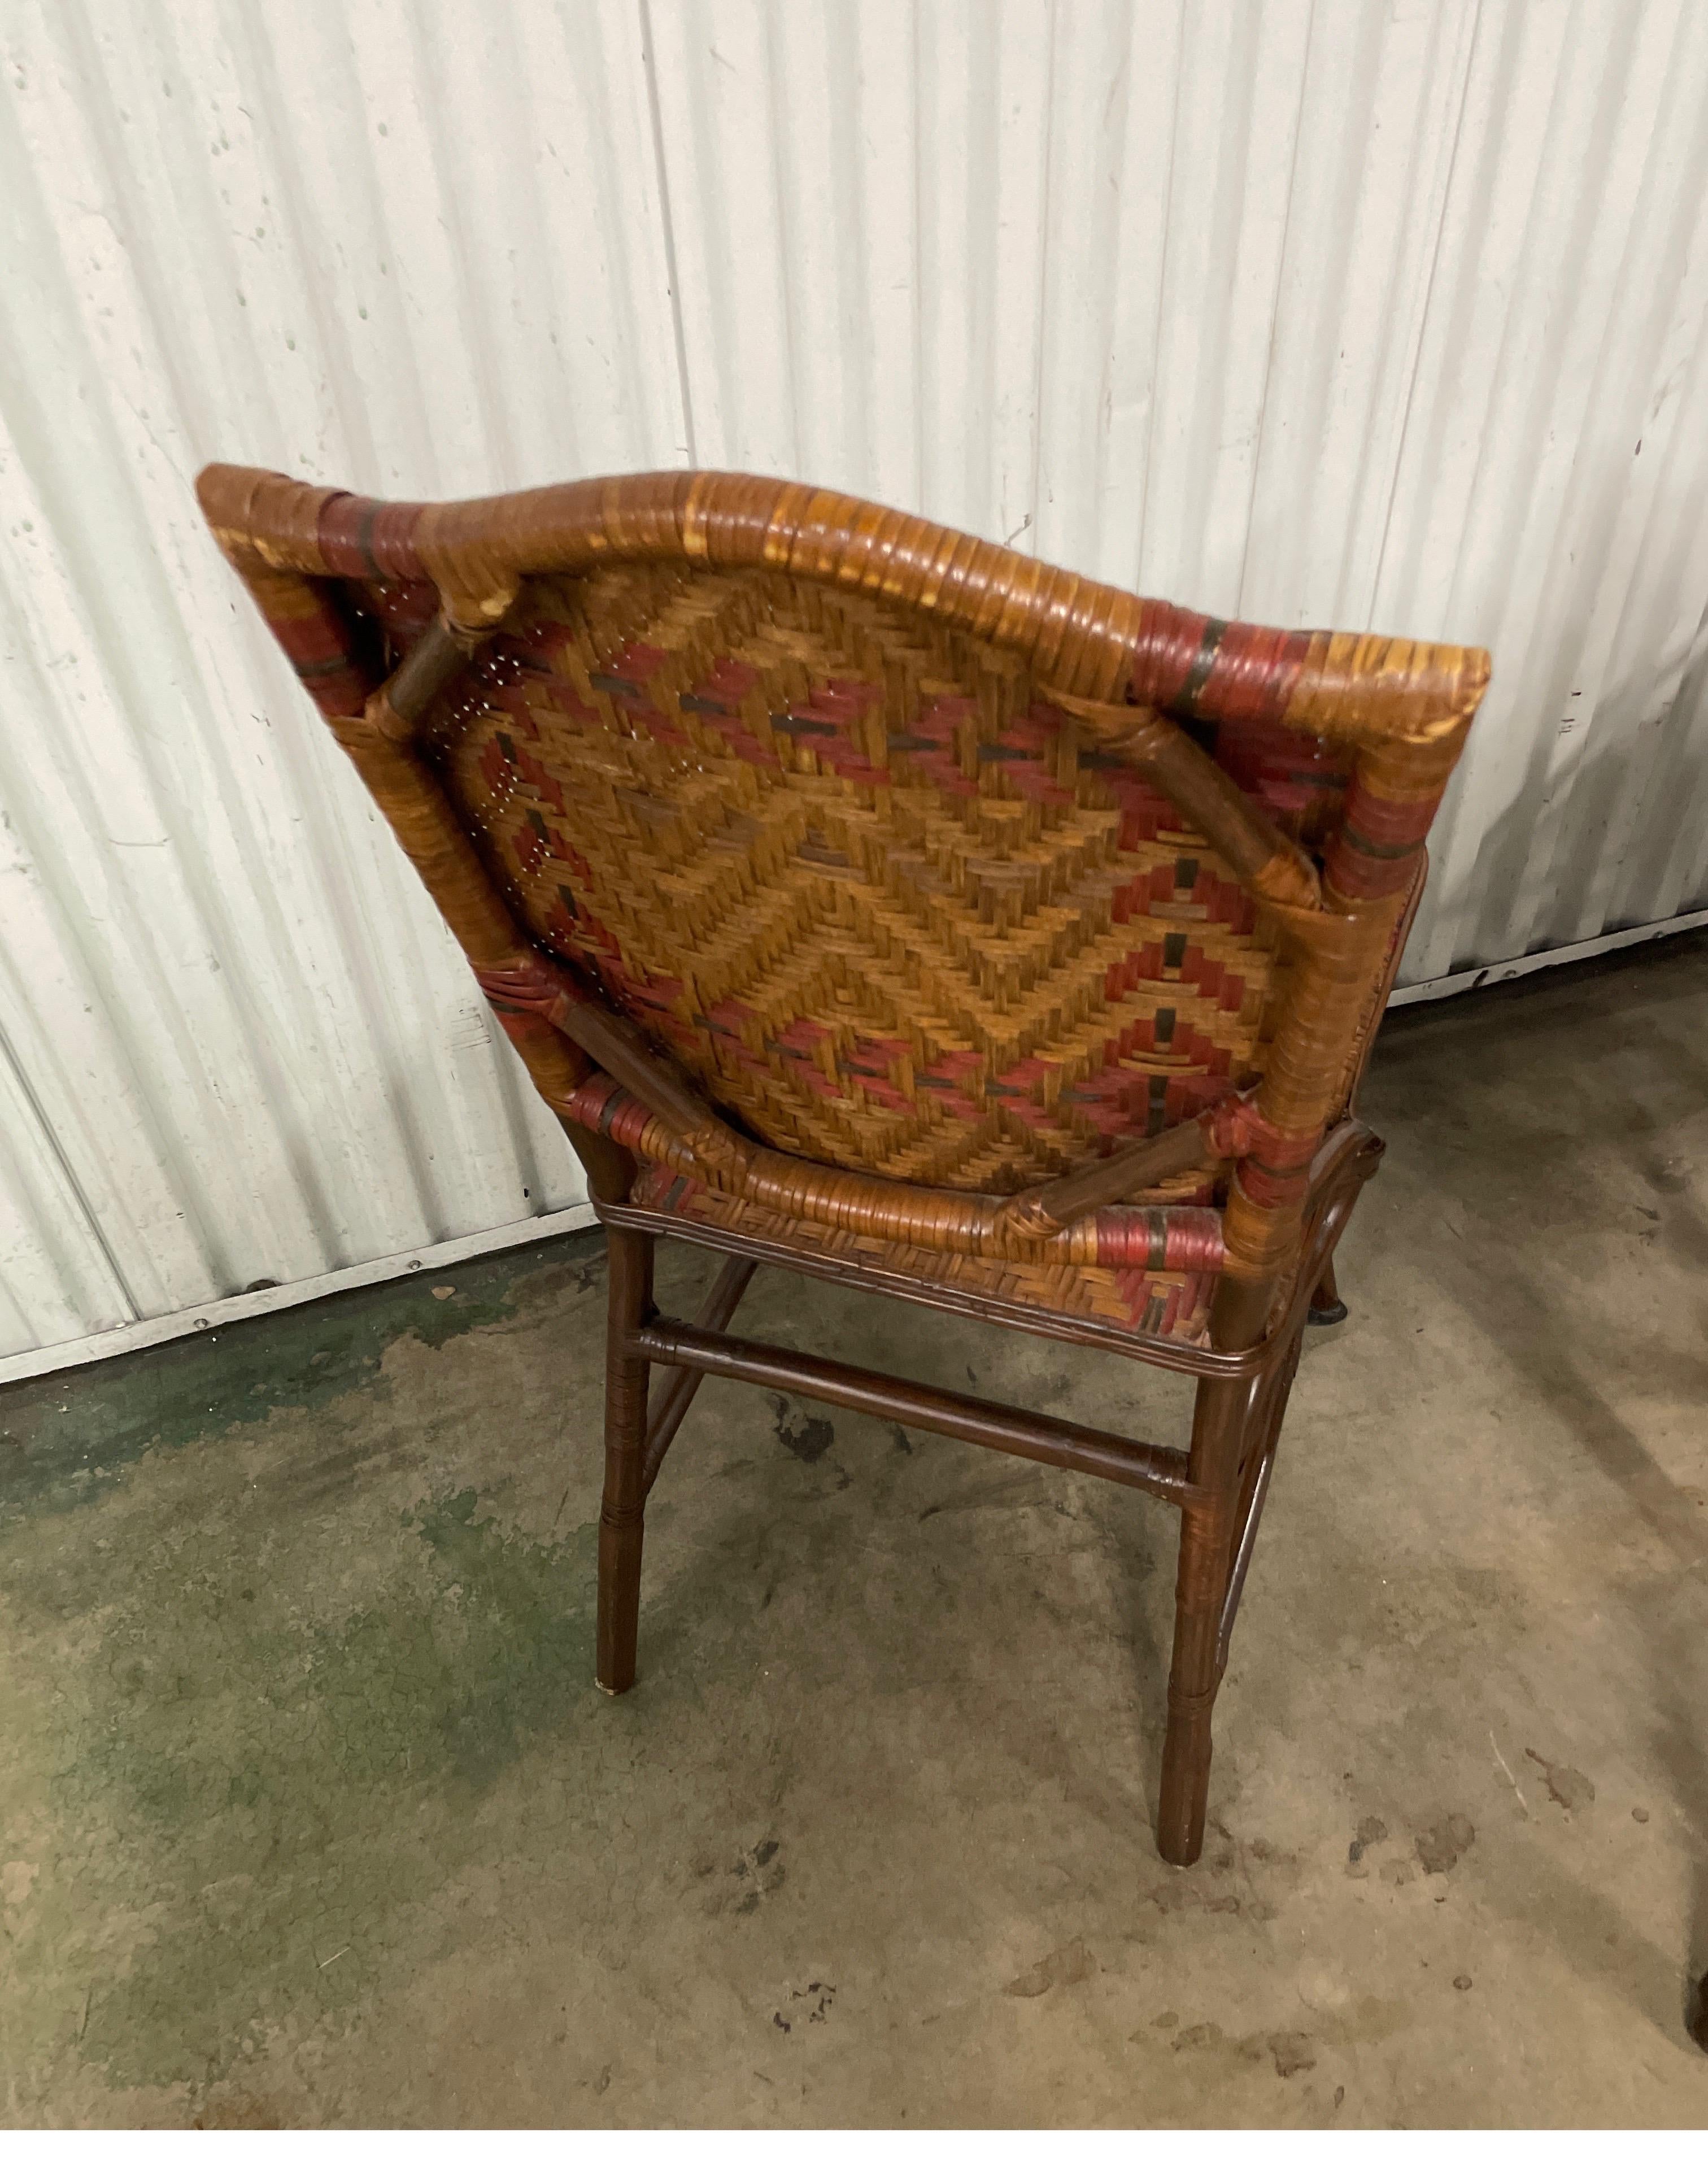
(1086, 638)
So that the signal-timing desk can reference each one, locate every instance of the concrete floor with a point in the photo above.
(312, 1814)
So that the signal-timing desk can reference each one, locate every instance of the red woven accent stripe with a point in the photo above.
(317, 644)
(405, 610)
(1350, 874)
(1159, 1239)
(1379, 825)
(1281, 1173)
(1371, 854)
(370, 538)
(1274, 1169)
(535, 984)
(606, 1107)
(1235, 1129)
(1230, 669)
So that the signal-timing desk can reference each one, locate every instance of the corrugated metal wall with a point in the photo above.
(1331, 312)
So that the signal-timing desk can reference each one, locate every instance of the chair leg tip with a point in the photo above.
(1333, 1313)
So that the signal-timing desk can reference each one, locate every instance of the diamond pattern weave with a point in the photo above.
(876, 896)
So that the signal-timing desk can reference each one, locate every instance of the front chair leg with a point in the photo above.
(1220, 1423)
(1192, 1680)
(621, 1513)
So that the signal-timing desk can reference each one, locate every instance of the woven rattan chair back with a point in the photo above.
(865, 896)
(882, 900)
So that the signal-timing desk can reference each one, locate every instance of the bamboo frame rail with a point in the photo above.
(868, 899)
(1158, 1469)
(665, 1417)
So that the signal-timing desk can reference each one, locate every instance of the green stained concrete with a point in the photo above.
(250, 1775)
(311, 1814)
(63, 1451)
(226, 1764)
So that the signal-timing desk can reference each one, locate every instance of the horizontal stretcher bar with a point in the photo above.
(1158, 1469)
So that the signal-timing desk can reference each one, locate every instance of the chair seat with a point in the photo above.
(1136, 1311)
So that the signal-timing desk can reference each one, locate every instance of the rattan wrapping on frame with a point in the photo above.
(1165, 1304)
(879, 835)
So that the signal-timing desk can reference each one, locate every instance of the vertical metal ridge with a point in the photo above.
(66, 1170)
(1034, 490)
(667, 227)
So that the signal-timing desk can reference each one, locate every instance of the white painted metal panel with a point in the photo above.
(1347, 314)
(266, 234)
(1549, 403)
(1335, 313)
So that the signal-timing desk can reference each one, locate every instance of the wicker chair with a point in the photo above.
(869, 900)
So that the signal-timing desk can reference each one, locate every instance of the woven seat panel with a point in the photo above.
(1170, 1305)
(876, 896)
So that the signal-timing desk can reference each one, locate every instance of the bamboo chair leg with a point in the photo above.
(622, 1512)
(1206, 1545)
(1326, 1307)
(1269, 1415)
(1191, 1686)
(1233, 1417)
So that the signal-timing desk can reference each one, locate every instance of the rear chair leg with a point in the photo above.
(621, 1514)
(1326, 1307)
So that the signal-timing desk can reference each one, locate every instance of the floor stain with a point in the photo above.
(1290, 2052)
(808, 1438)
(1370, 1833)
(757, 1873)
(811, 2003)
(1571, 1789)
(1070, 1964)
(1293, 2052)
(1440, 1848)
